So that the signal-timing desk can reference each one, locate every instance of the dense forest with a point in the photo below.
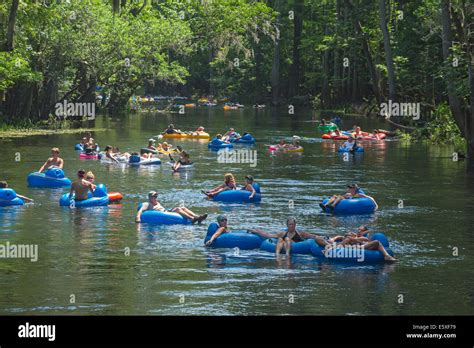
(328, 54)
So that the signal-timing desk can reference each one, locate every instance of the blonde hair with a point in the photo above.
(55, 149)
(229, 177)
(89, 174)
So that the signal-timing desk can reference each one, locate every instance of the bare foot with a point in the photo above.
(389, 258)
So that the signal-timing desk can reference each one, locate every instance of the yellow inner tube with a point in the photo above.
(187, 136)
(299, 149)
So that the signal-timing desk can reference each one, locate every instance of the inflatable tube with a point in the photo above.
(216, 144)
(115, 197)
(303, 247)
(354, 255)
(80, 147)
(136, 160)
(99, 198)
(186, 136)
(183, 167)
(228, 107)
(353, 206)
(8, 197)
(344, 149)
(298, 149)
(335, 137)
(104, 159)
(94, 156)
(53, 177)
(246, 139)
(273, 148)
(163, 218)
(239, 196)
(372, 137)
(327, 127)
(235, 239)
(147, 150)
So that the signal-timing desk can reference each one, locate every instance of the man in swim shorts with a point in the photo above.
(80, 187)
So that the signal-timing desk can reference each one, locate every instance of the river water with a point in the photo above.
(425, 208)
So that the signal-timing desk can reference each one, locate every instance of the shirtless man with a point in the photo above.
(80, 187)
(54, 161)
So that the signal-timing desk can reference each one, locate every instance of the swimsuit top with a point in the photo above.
(296, 237)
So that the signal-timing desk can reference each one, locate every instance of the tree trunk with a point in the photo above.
(11, 26)
(259, 84)
(296, 64)
(325, 102)
(392, 91)
(454, 100)
(337, 58)
(276, 59)
(368, 54)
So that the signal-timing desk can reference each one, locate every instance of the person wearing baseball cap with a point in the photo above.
(222, 221)
(154, 205)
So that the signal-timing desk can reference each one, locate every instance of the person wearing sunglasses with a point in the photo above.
(222, 221)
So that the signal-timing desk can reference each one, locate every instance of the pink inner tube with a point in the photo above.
(378, 136)
(83, 155)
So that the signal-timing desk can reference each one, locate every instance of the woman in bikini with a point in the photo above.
(229, 184)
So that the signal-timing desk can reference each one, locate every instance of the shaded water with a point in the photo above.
(81, 252)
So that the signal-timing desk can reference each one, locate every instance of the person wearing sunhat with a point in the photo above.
(154, 204)
(222, 221)
(354, 192)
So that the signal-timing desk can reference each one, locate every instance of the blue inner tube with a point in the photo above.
(53, 177)
(239, 196)
(99, 198)
(344, 149)
(352, 206)
(219, 144)
(303, 247)
(348, 255)
(163, 218)
(80, 147)
(136, 160)
(8, 197)
(246, 139)
(235, 239)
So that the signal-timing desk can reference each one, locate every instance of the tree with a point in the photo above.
(392, 91)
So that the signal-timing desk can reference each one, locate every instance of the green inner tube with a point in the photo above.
(328, 127)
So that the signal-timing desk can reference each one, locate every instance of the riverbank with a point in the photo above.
(26, 132)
